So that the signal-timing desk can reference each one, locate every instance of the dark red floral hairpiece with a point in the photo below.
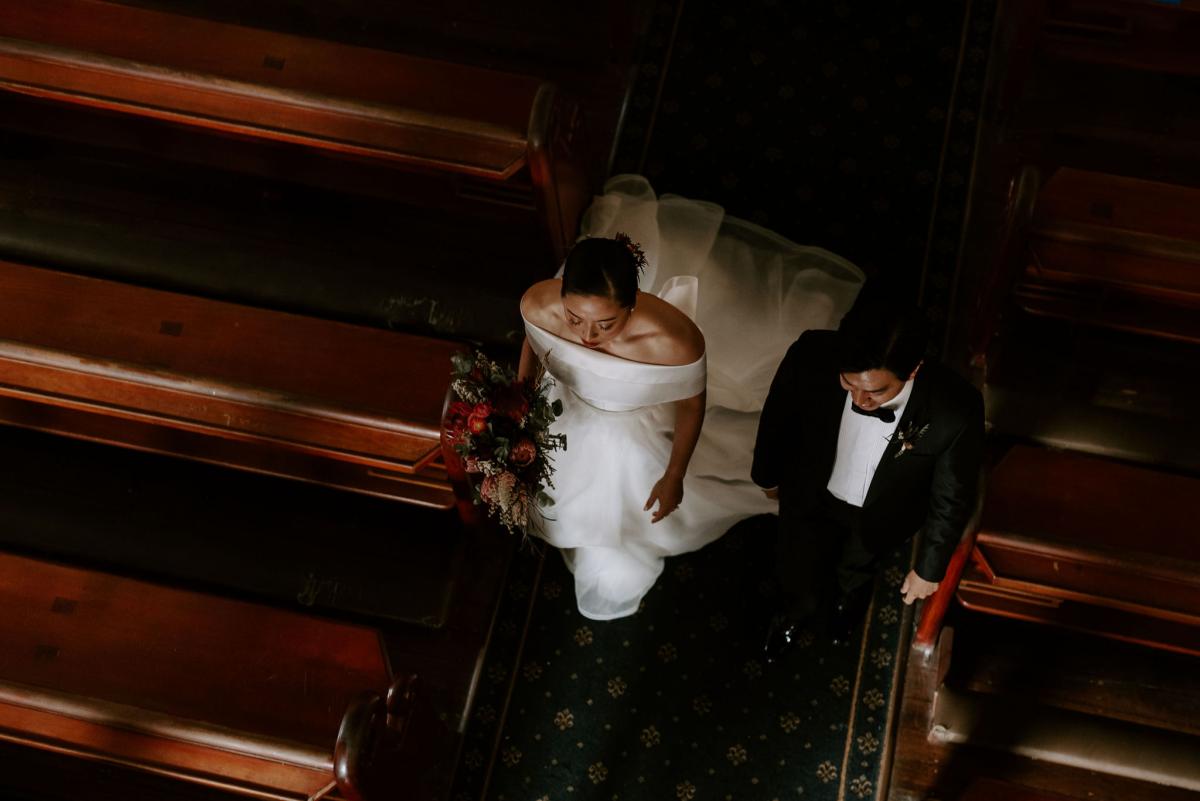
(635, 250)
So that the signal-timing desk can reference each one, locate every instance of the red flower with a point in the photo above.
(456, 416)
(477, 421)
(523, 453)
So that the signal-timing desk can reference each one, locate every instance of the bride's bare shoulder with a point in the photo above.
(677, 340)
(541, 301)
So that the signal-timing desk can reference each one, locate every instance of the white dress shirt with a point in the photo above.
(861, 442)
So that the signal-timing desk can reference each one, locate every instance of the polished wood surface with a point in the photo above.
(137, 673)
(924, 768)
(1116, 252)
(151, 358)
(269, 85)
(1089, 501)
(1088, 543)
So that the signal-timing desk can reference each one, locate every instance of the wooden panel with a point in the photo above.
(266, 673)
(1092, 544)
(1152, 36)
(1117, 201)
(268, 85)
(1078, 672)
(1089, 501)
(426, 487)
(318, 387)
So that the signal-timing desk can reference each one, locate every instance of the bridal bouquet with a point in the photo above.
(500, 428)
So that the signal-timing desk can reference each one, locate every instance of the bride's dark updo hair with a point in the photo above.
(609, 268)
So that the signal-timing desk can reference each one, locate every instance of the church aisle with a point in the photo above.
(676, 701)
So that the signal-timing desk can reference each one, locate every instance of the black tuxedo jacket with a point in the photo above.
(930, 487)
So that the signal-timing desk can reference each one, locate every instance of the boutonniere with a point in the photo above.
(908, 437)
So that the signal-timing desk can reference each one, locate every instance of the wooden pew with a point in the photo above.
(1088, 543)
(122, 121)
(1115, 252)
(321, 401)
(128, 673)
(259, 250)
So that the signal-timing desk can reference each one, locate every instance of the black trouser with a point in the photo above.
(823, 559)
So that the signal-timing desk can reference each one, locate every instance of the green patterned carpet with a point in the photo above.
(676, 701)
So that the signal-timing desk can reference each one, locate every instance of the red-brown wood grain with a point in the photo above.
(174, 680)
(270, 85)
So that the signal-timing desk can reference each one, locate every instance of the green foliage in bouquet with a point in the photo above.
(500, 428)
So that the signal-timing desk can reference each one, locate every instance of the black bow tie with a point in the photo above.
(886, 415)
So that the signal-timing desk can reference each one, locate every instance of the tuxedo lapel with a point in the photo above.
(915, 409)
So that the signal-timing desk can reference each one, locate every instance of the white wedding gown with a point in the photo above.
(752, 293)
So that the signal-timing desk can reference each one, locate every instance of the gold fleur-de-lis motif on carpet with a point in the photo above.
(498, 673)
(597, 772)
(737, 755)
(667, 652)
(881, 657)
(616, 686)
(683, 573)
(826, 771)
(789, 722)
(532, 671)
(510, 756)
(888, 615)
(753, 669)
(651, 737)
(893, 576)
(718, 623)
(551, 590)
(861, 786)
(839, 686)
(685, 791)
(702, 705)
(867, 743)
(873, 699)
(486, 713)
(583, 636)
(564, 719)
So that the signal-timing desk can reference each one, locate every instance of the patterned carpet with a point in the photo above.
(850, 126)
(676, 701)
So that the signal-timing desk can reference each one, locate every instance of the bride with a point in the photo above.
(662, 359)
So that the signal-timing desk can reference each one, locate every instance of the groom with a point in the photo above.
(865, 444)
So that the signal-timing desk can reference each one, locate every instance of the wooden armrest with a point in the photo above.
(933, 610)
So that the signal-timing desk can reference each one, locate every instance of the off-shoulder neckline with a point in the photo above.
(599, 353)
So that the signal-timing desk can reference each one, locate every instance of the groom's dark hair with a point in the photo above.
(603, 267)
(878, 334)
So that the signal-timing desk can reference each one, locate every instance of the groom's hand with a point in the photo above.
(915, 588)
(668, 491)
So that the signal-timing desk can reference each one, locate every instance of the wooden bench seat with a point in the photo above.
(199, 688)
(125, 364)
(1089, 543)
(1115, 252)
(269, 85)
(286, 171)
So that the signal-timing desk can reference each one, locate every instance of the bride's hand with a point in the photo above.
(668, 491)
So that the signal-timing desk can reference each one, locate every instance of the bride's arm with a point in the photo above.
(668, 491)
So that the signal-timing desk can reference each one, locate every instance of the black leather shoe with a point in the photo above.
(781, 634)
